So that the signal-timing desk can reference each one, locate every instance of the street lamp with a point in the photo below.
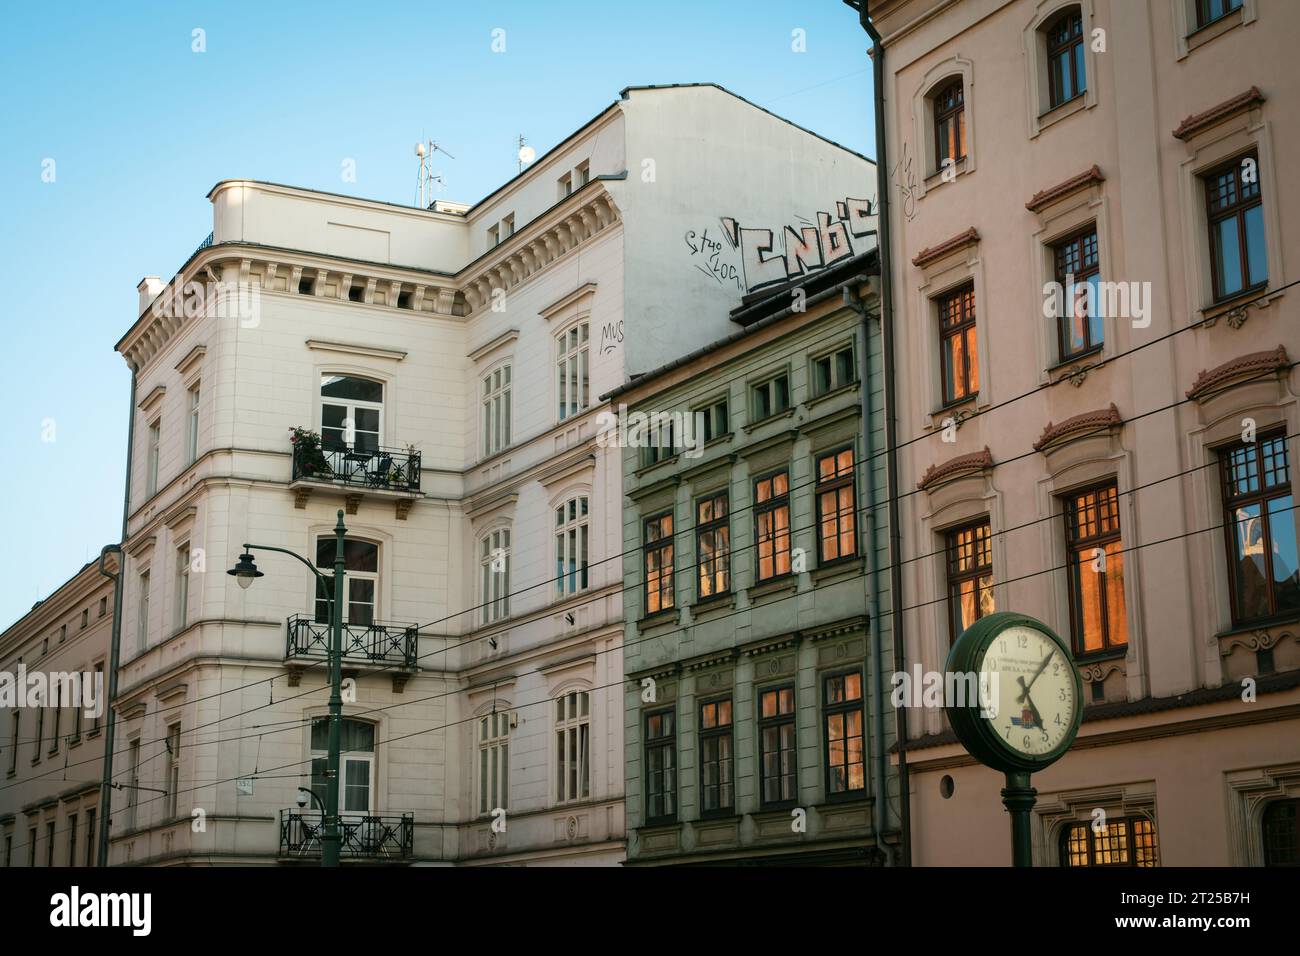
(245, 572)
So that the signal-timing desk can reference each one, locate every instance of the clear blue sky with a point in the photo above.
(140, 128)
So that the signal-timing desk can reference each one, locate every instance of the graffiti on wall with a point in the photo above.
(750, 258)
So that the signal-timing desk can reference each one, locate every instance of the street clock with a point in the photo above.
(1028, 710)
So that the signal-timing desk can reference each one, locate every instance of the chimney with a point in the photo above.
(149, 288)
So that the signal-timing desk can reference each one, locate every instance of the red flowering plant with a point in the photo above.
(309, 459)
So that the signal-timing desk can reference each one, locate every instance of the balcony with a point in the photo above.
(365, 837)
(378, 643)
(379, 472)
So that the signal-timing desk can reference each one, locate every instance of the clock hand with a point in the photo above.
(1041, 667)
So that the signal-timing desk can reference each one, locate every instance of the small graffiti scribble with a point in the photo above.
(611, 336)
(706, 254)
(905, 180)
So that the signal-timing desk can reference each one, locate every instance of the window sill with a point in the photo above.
(1280, 620)
(1074, 365)
(1059, 112)
(657, 619)
(775, 585)
(944, 412)
(1093, 657)
(718, 817)
(1206, 32)
(92, 734)
(714, 602)
(935, 179)
(833, 393)
(839, 568)
(1255, 295)
(759, 423)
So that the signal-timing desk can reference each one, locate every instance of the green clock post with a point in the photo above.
(1027, 712)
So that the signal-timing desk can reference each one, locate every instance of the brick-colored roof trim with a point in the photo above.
(926, 256)
(1199, 121)
(975, 461)
(1209, 380)
(1088, 421)
(1045, 197)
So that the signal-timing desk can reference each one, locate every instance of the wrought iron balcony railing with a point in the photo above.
(376, 643)
(389, 469)
(364, 836)
(204, 244)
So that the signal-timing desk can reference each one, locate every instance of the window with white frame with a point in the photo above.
(356, 763)
(361, 581)
(182, 586)
(142, 612)
(173, 771)
(496, 410)
(572, 746)
(152, 457)
(494, 565)
(571, 364)
(571, 545)
(493, 762)
(132, 782)
(351, 413)
(192, 433)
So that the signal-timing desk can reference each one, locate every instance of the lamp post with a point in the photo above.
(246, 572)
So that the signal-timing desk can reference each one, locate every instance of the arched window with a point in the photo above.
(361, 562)
(494, 566)
(573, 746)
(351, 412)
(493, 762)
(571, 545)
(1281, 833)
(1066, 76)
(356, 763)
(949, 123)
(496, 410)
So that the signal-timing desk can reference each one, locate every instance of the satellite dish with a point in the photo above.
(527, 154)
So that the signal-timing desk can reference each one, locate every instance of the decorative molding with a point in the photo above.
(1199, 122)
(348, 348)
(1089, 422)
(153, 398)
(193, 358)
(505, 338)
(934, 253)
(1212, 381)
(1045, 197)
(587, 288)
(954, 468)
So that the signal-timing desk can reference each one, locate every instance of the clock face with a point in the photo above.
(1033, 683)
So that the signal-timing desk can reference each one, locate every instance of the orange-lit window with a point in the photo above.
(970, 575)
(836, 537)
(959, 352)
(772, 515)
(712, 546)
(1096, 569)
(659, 563)
(949, 124)
(1123, 841)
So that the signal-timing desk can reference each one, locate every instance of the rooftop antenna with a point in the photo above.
(427, 177)
(526, 153)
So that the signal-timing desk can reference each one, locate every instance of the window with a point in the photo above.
(1095, 565)
(572, 742)
(717, 771)
(496, 411)
(132, 782)
(833, 371)
(659, 563)
(1066, 76)
(152, 457)
(192, 435)
(507, 227)
(836, 507)
(846, 766)
(660, 440)
(49, 844)
(142, 612)
(352, 412)
(970, 576)
(306, 285)
(1235, 214)
(583, 170)
(493, 236)
(571, 546)
(356, 763)
(361, 564)
(1077, 269)
(103, 608)
(772, 519)
(493, 762)
(31, 847)
(182, 583)
(713, 421)
(57, 712)
(1207, 11)
(1260, 526)
(771, 398)
(15, 726)
(949, 124)
(72, 839)
(712, 546)
(90, 838)
(564, 185)
(99, 678)
(40, 734)
(958, 349)
(85, 619)
(357, 292)
(660, 767)
(494, 562)
(1122, 841)
(63, 633)
(1281, 835)
(571, 363)
(173, 771)
(776, 756)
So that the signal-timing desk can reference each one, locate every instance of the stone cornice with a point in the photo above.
(1089, 422)
(487, 348)
(348, 348)
(1045, 197)
(1197, 122)
(193, 358)
(953, 468)
(1211, 381)
(934, 253)
(587, 288)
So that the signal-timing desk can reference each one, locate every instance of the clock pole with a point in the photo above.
(1018, 797)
